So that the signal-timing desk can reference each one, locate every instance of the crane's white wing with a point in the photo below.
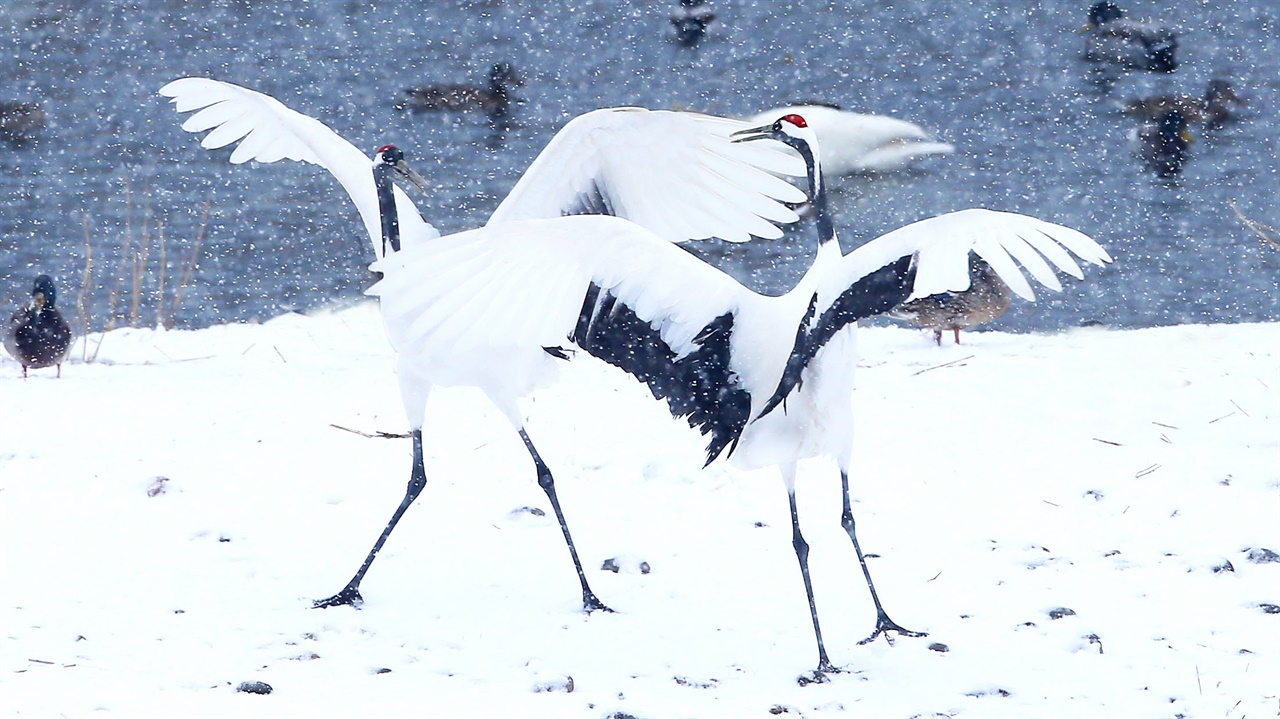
(263, 129)
(1005, 240)
(675, 173)
(502, 301)
(522, 284)
(858, 142)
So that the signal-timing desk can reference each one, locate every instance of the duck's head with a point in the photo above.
(1173, 123)
(1102, 13)
(503, 74)
(43, 293)
(1220, 92)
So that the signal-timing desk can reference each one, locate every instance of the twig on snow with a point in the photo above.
(944, 364)
(373, 435)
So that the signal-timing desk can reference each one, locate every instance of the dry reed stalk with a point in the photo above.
(85, 281)
(126, 244)
(188, 269)
(140, 258)
(1258, 228)
(160, 280)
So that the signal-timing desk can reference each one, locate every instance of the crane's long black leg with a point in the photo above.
(350, 594)
(802, 554)
(589, 601)
(883, 622)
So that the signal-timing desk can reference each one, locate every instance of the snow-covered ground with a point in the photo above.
(1127, 482)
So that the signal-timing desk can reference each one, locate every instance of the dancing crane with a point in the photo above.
(677, 174)
(500, 307)
(768, 379)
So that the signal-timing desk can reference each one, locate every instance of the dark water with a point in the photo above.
(1037, 130)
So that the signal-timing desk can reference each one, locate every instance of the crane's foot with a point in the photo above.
(884, 625)
(348, 597)
(591, 604)
(819, 675)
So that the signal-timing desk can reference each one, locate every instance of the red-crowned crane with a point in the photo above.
(769, 379)
(677, 174)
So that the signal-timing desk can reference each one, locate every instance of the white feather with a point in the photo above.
(676, 173)
(942, 245)
(855, 142)
(269, 132)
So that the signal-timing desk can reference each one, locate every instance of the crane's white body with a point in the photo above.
(854, 142)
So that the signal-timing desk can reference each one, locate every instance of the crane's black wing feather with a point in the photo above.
(699, 386)
(871, 295)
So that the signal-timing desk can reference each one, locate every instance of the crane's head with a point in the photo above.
(791, 129)
(392, 158)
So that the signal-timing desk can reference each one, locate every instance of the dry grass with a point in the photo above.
(1266, 233)
(141, 276)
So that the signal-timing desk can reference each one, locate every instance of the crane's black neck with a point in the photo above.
(387, 207)
(817, 195)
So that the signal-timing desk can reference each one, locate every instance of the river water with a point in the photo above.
(1037, 129)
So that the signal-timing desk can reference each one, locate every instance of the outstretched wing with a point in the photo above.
(675, 173)
(930, 257)
(263, 129)
(1005, 240)
(523, 291)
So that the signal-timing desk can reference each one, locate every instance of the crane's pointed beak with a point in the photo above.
(753, 133)
(406, 173)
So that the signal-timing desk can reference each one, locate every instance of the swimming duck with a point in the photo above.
(986, 299)
(1109, 37)
(854, 142)
(38, 336)
(20, 121)
(690, 21)
(492, 100)
(1212, 109)
(1164, 143)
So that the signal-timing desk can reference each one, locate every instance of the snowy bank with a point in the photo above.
(1081, 522)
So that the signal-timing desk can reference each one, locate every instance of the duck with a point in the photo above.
(854, 142)
(1130, 44)
(20, 122)
(492, 100)
(1164, 143)
(690, 21)
(1212, 109)
(986, 299)
(38, 336)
